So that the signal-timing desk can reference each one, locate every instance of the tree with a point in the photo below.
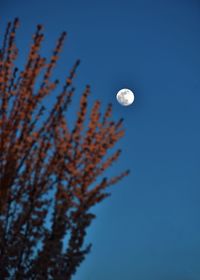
(48, 173)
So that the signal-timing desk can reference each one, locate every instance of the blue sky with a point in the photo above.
(150, 227)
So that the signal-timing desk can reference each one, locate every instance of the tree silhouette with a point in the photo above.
(48, 173)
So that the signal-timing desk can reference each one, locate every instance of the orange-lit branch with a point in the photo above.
(47, 171)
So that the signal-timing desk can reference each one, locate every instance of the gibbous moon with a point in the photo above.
(125, 97)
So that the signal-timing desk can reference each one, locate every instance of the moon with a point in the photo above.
(125, 97)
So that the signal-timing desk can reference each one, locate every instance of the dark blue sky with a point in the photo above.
(150, 227)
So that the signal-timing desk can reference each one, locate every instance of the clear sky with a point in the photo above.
(149, 229)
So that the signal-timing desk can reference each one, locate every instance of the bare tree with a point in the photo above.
(48, 173)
